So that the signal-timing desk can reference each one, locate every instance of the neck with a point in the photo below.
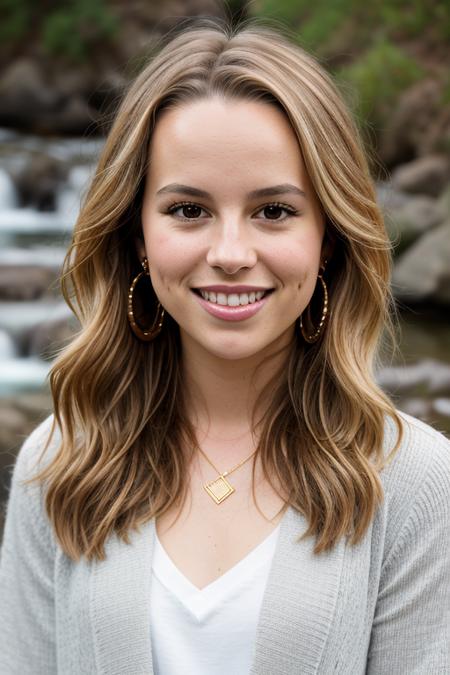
(221, 394)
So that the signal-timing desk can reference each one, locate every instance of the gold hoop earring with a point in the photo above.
(145, 334)
(314, 336)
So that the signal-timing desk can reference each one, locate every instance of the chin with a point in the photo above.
(233, 352)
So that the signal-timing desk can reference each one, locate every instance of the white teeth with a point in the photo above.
(233, 299)
(221, 299)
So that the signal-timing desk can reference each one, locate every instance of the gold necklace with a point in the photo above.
(219, 489)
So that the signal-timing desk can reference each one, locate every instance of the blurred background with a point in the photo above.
(63, 68)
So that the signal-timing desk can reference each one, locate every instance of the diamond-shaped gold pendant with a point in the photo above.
(219, 489)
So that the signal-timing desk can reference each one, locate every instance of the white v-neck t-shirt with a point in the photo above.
(208, 631)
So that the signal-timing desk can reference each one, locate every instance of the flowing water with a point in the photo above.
(30, 238)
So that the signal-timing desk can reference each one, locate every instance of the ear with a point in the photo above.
(139, 244)
(328, 244)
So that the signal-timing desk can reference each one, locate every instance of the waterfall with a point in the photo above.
(7, 191)
(34, 319)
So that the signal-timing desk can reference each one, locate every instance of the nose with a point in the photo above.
(232, 248)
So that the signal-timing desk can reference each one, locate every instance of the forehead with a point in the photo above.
(217, 135)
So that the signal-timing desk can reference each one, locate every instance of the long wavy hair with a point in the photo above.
(118, 402)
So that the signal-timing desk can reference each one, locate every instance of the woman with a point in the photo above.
(226, 487)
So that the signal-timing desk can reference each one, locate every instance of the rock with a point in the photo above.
(423, 271)
(389, 197)
(52, 105)
(406, 130)
(24, 282)
(48, 94)
(427, 175)
(39, 182)
(74, 117)
(430, 374)
(442, 406)
(444, 201)
(47, 104)
(416, 215)
(417, 407)
(12, 425)
(19, 415)
(25, 94)
(437, 139)
(75, 82)
(37, 327)
(50, 336)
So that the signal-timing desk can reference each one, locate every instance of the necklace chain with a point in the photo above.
(226, 473)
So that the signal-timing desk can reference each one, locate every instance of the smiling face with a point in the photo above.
(212, 220)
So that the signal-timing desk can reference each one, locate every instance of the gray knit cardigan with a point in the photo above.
(379, 608)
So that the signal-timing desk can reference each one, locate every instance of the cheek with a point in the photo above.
(170, 259)
(296, 263)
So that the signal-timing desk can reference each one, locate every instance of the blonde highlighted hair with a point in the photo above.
(119, 402)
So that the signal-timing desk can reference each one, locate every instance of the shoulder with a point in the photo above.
(27, 531)
(26, 496)
(37, 449)
(416, 480)
(423, 450)
(416, 433)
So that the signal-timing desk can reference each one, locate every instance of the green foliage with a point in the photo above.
(331, 23)
(445, 96)
(316, 24)
(69, 31)
(379, 76)
(74, 29)
(375, 41)
(411, 18)
(328, 21)
(16, 17)
(286, 10)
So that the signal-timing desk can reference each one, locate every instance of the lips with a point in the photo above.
(211, 295)
(232, 313)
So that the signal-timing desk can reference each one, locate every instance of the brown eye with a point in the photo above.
(272, 212)
(191, 211)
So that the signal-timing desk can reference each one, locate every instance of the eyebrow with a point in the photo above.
(284, 188)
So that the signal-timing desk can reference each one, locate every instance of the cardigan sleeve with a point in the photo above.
(27, 609)
(411, 627)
